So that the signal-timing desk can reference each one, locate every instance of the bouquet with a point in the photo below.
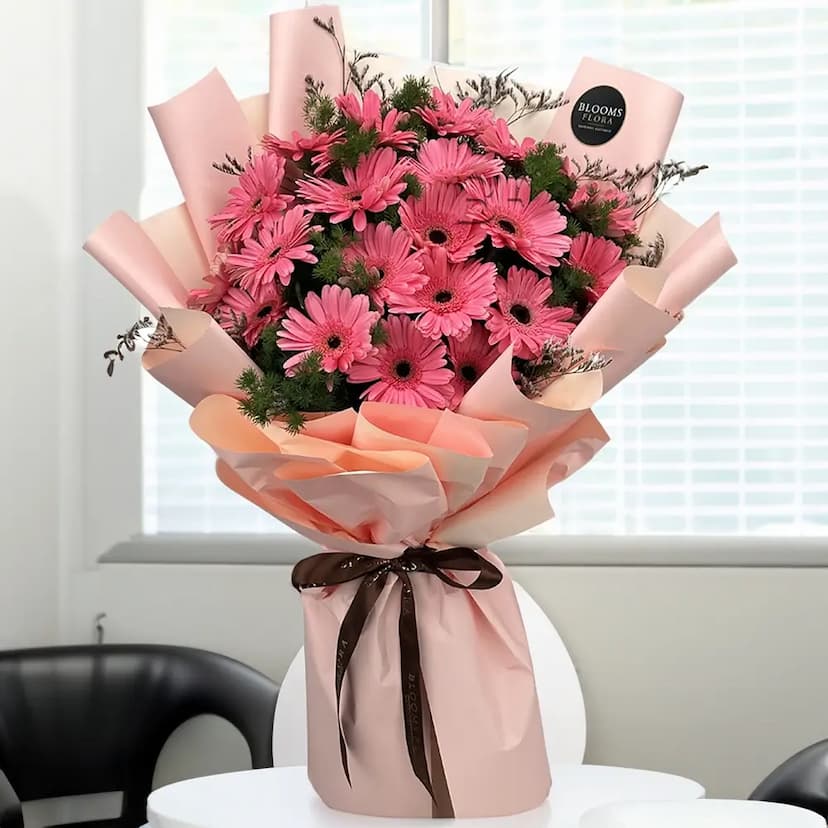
(392, 300)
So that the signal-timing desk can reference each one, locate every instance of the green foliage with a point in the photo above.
(569, 283)
(329, 267)
(329, 245)
(360, 279)
(594, 215)
(544, 166)
(319, 109)
(417, 125)
(356, 143)
(412, 93)
(628, 242)
(333, 236)
(391, 215)
(414, 185)
(267, 354)
(379, 334)
(272, 396)
(573, 227)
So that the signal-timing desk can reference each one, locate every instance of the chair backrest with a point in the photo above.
(801, 780)
(559, 693)
(710, 813)
(93, 719)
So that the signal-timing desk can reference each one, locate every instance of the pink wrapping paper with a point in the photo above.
(481, 689)
(128, 253)
(651, 109)
(299, 48)
(376, 481)
(198, 127)
(202, 362)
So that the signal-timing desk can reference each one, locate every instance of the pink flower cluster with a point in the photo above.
(458, 251)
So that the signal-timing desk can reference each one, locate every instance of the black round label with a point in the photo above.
(598, 114)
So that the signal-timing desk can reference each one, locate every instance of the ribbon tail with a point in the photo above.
(415, 703)
(349, 632)
(442, 806)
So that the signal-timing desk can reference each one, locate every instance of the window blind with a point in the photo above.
(723, 432)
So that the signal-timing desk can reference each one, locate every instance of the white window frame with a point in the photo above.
(109, 154)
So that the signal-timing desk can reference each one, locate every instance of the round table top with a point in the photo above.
(283, 796)
(711, 813)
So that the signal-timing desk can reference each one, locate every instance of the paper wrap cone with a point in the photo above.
(388, 478)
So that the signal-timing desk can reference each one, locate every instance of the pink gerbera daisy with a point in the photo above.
(243, 314)
(450, 161)
(498, 139)
(374, 184)
(448, 117)
(256, 197)
(337, 327)
(368, 114)
(532, 227)
(387, 252)
(453, 296)
(298, 146)
(440, 218)
(471, 358)
(600, 258)
(219, 281)
(407, 369)
(523, 318)
(621, 219)
(281, 242)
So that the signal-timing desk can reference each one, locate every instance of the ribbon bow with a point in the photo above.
(334, 568)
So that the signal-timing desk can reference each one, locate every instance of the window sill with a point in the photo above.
(525, 550)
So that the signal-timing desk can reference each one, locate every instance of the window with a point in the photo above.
(183, 40)
(725, 431)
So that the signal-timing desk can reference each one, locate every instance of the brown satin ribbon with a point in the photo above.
(333, 568)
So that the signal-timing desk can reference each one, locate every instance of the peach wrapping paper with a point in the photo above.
(374, 481)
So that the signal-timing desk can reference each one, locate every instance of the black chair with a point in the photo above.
(801, 780)
(93, 719)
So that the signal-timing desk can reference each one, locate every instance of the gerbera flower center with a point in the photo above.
(469, 373)
(257, 203)
(443, 296)
(334, 342)
(506, 226)
(437, 236)
(403, 369)
(521, 314)
(265, 311)
(275, 252)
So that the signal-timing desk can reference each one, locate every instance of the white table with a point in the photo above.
(279, 797)
(710, 813)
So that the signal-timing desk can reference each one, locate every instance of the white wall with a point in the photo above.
(712, 672)
(35, 185)
(60, 174)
